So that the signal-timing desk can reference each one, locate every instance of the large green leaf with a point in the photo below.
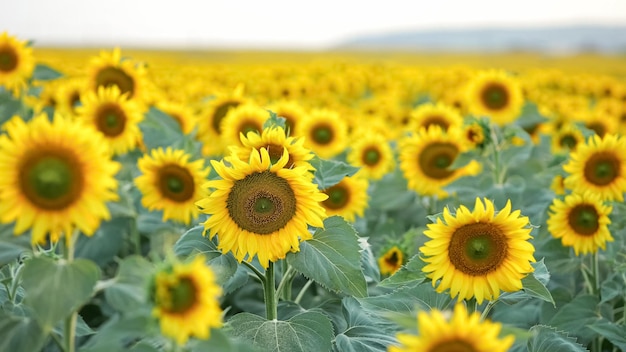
(129, 290)
(20, 333)
(11, 247)
(54, 289)
(533, 286)
(332, 258)
(409, 274)
(329, 172)
(576, 316)
(408, 299)
(548, 339)
(616, 334)
(219, 341)
(105, 243)
(45, 73)
(362, 331)
(118, 332)
(309, 331)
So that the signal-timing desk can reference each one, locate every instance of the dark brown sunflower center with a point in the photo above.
(495, 96)
(371, 156)
(51, 180)
(435, 159)
(113, 76)
(436, 121)
(290, 123)
(392, 259)
(338, 197)
(322, 134)
(456, 345)
(602, 168)
(276, 152)
(182, 296)
(568, 141)
(249, 126)
(597, 127)
(111, 120)
(74, 99)
(8, 59)
(477, 249)
(219, 114)
(176, 183)
(261, 203)
(584, 219)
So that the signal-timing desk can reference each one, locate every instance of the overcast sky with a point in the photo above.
(277, 23)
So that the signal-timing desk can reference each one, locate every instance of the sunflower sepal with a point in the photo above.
(330, 172)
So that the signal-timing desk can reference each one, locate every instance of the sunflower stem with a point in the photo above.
(487, 309)
(284, 287)
(70, 322)
(255, 271)
(498, 173)
(595, 272)
(269, 286)
(303, 291)
(135, 237)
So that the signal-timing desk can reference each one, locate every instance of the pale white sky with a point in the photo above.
(274, 24)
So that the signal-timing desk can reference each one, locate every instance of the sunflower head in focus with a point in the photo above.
(373, 154)
(259, 208)
(599, 166)
(186, 300)
(171, 183)
(113, 115)
(110, 69)
(391, 261)
(496, 95)
(210, 121)
(57, 177)
(439, 114)
(460, 332)
(581, 221)
(425, 158)
(16, 63)
(478, 253)
(324, 132)
(348, 198)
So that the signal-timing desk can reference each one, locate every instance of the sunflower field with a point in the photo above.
(268, 201)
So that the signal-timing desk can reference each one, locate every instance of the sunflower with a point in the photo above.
(558, 185)
(113, 115)
(599, 166)
(348, 198)
(391, 261)
(373, 154)
(57, 177)
(171, 183)
(496, 95)
(243, 119)
(474, 134)
(181, 113)
(210, 121)
(69, 94)
(324, 131)
(462, 332)
(439, 114)
(566, 138)
(478, 253)
(260, 208)
(426, 156)
(580, 221)
(186, 300)
(16, 63)
(110, 69)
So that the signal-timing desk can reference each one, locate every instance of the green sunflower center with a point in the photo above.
(113, 76)
(111, 120)
(436, 121)
(568, 141)
(261, 203)
(176, 183)
(182, 296)
(322, 134)
(495, 96)
(338, 197)
(371, 156)
(51, 181)
(602, 168)
(455, 345)
(8, 59)
(584, 219)
(435, 159)
(477, 249)
(219, 114)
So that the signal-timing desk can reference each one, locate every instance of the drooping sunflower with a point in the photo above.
(210, 121)
(478, 253)
(171, 183)
(186, 300)
(462, 332)
(439, 114)
(425, 158)
(391, 261)
(259, 208)
(57, 177)
(110, 69)
(373, 154)
(348, 198)
(243, 119)
(580, 221)
(496, 95)
(111, 113)
(324, 132)
(181, 113)
(599, 166)
(16, 63)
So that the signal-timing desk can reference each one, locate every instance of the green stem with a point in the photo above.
(302, 291)
(471, 305)
(15, 283)
(488, 308)
(269, 288)
(255, 271)
(284, 287)
(595, 275)
(70, 322)
(135, 237)
(498, 171)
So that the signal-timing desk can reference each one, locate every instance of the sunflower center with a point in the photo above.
(453, 346)
(435, 159)
(477, 249)
(322, 134)
(597, 127)
(220, 113)
(568, 141)
(371, 156)
(8, 59)
(495, 96)
(113, 76)
(261, 203)
(338, 197)
(249, 127)
(111, 120)
(276, 152)
(436, 121)
(176, 183)
(290, 122)
(602, 168)
(392, 259)
(51, 181)
(182, 296)
(584, 219)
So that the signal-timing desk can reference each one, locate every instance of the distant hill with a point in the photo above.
(567, 39)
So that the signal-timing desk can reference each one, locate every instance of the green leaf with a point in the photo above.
(219, 341)
(535, 284)
(548, 339)
(54, 289)
(20, 333)
(160, 130)
(409, 274)
(309, 331)
(616, 334)
(129, 290)
(329, 172)
(332, 258)
(11, 247)
(362, 332)
(45, 73)
(117, 332)
(576, 316)
(105, 243)
(274, 121)
(407, 300)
